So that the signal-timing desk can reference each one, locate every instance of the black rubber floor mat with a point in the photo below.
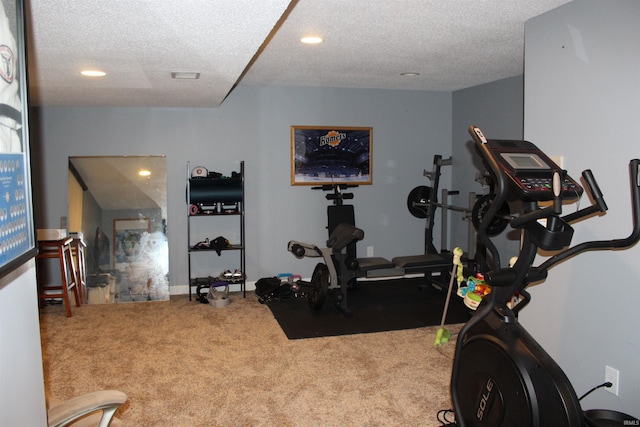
(377, 306)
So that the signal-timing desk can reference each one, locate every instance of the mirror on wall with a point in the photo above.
(119, 205)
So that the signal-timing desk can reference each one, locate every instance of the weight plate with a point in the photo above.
(498, 223)
(420, 194)
(320, 286)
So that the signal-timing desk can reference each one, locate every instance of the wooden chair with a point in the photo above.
(78, 250)
(60, 249)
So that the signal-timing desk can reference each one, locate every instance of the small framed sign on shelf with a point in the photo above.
(324, 155)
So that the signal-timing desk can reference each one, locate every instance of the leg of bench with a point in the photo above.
(341, 304)
(346, 278)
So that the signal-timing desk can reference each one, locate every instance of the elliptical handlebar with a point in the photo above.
(594, 189)
(632, 239)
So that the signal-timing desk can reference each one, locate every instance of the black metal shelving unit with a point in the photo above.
(209, 205)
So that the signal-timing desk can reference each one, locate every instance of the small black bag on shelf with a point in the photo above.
(219, 243)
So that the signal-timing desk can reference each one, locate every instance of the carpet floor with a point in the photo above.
(183, 363)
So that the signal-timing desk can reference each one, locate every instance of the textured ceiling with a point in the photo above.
(138, 43)
(452, 44)
(114, 181)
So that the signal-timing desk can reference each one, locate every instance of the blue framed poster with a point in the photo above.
(17, 234)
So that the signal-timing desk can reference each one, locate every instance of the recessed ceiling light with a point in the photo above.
(185, 75)
(410, 74)
(311, 40)
(93, 73)
(144, 172)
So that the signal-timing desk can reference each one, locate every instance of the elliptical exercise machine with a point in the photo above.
(501, 376)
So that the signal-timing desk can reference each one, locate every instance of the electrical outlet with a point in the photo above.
(559, 160)
(612, 375)
(369, 251)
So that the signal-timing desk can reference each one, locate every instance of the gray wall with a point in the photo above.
(581, 101)
(253, 125)
(21, 378)
(497, 109)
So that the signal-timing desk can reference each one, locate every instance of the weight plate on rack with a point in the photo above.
(319, 286)
(420, 195)
(498, 223)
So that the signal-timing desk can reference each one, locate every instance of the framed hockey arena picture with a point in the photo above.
(17, 234)
(324, 155)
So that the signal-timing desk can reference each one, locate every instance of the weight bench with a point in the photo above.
(339, 271)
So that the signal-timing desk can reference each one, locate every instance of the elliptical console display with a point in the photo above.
(529, 169)
(501, 376)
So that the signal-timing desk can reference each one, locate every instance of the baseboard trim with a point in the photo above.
(251, 286)
(184, 289)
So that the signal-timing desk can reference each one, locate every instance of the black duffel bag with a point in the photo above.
(271, 289)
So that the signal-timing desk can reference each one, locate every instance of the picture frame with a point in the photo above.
(141, 277)
(127, 234)
(17, 236)
(331, 155)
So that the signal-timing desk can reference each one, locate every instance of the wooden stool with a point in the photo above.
(78, 250)
(60, 249)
